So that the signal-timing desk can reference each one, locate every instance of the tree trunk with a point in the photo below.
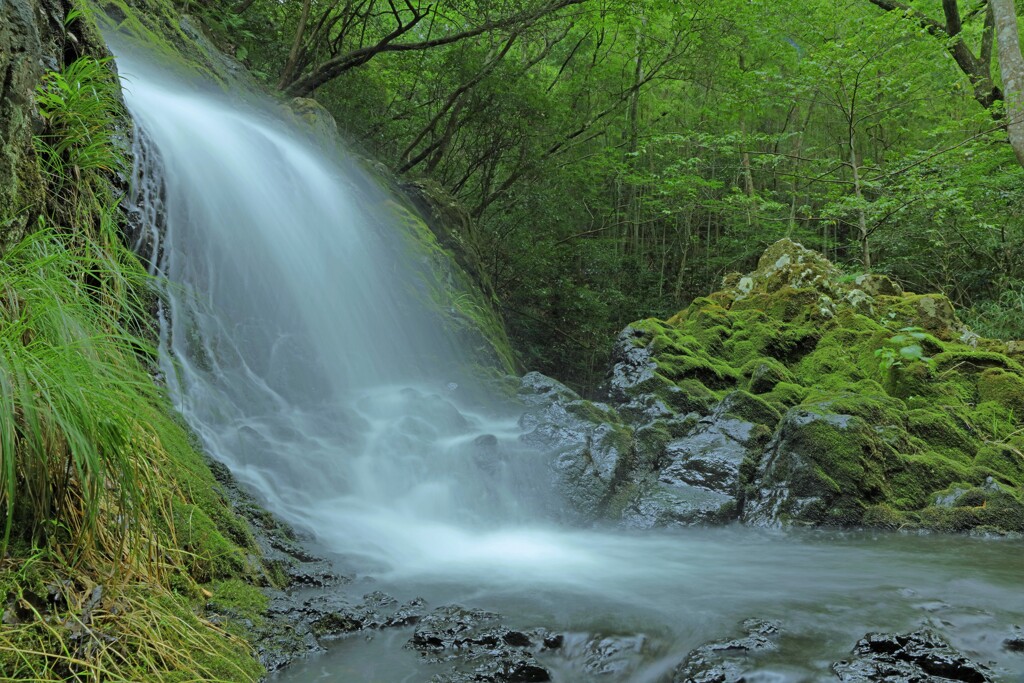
(287, 74)
(862, 219)
(632, 201)
(1011, 67)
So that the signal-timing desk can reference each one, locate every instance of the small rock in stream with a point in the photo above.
(729, 661)
(919, 657)
(1015, 643)
(478, 647)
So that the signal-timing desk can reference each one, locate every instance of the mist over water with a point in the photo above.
(298, 343)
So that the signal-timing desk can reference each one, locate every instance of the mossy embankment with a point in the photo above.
(123, 558)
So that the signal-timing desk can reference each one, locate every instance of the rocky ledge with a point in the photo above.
(795, 395)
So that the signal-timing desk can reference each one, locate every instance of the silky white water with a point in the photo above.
(299, 341)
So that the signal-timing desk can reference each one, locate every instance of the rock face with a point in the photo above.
(32, 40)
(796, 396)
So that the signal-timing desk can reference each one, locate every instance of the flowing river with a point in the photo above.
(298, 343)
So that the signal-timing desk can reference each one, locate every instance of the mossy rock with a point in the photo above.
(821, 469)
(931, 312)
(745, 406)
(764, 374)
(862, 440)
(943, 432)
(1004, 388)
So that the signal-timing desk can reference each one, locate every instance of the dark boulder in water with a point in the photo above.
(729, 660)
(478, 647)
(919, 657)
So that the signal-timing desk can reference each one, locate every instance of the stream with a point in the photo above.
(298, 343)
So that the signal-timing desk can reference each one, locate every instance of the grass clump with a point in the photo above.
(69, 383)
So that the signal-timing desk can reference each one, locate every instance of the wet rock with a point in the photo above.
(729, 661)
(633, 366)
(331, 616)
(612, 656)
(590, 447)
(1015, 643)
(918, 657)
(478, 647)
(818, 469)
(538, 389)
(697, 478)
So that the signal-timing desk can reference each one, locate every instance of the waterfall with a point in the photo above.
(298, 337)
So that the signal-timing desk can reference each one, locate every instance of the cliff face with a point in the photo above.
(795, 395)
(33, 39)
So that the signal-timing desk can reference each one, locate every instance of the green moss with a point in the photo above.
(865, 399)
(157, 25)
(1004, 388)
(468, 313)
(932, 312)
(592, 412)
(918, 476)
(883, 516)
(788, 304)
(786, 395)
(621, 499)
(210, 555)
(862, 442)
(746, 406)
(762, 375)
(994, 420)
(941, 432)
(963, 359)
(1003, 462)
(649, 445)
(238, 599)
(983, 509)
(712, 373)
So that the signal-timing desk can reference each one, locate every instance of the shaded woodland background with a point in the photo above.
(613, 160)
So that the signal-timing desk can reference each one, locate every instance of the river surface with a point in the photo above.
(300, 341)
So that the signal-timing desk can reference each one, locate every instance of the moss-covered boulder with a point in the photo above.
(872, 406)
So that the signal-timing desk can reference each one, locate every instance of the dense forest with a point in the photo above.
(615, 159)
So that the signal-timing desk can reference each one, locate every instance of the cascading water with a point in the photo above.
(297, 344)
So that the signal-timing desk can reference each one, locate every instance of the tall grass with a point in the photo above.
(81, 105)
(1000, 318)
(71, 386)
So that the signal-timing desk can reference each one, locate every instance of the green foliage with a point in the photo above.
(82, 108)
(904, 347)
(1001, 317)
(619, 160)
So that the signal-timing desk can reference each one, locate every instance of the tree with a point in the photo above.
(1011, 67)
(977, 67)
(349, 33)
